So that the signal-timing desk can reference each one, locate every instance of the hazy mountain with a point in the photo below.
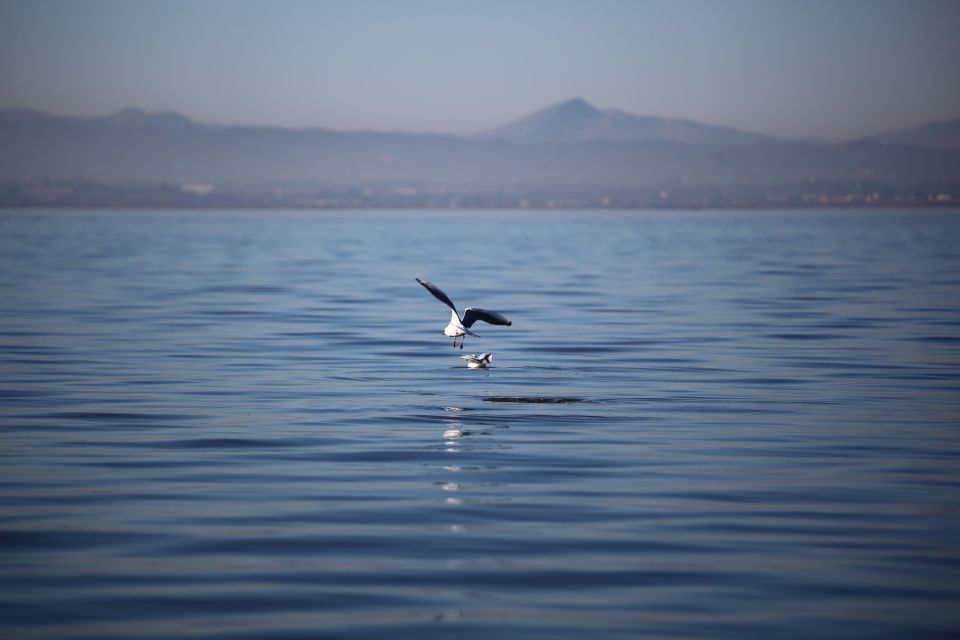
(937, 134)
(579, 121)
(133, 147)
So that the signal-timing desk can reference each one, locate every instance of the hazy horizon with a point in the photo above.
(120, 110)
(791, 69)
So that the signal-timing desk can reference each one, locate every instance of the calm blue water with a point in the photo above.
(700, 425)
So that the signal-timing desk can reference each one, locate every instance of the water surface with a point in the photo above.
(701, 424)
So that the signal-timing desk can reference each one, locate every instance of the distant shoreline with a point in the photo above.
(847, 195)
(6, 208)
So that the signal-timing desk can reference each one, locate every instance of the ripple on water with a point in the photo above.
(216, 428)
(532, 400)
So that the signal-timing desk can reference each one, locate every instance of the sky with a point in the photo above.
(828, 70)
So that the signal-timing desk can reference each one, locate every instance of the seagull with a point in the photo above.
(475, 361)
(460, 327)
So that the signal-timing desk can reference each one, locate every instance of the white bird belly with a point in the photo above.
(453, 331)
(455, 328)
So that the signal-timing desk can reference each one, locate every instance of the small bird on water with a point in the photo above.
(475, 361)
(460, 327)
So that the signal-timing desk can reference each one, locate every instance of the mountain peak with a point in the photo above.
(562, 122)
(576, 120)
(576, 105)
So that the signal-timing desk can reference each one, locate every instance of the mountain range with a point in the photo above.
(569, 146)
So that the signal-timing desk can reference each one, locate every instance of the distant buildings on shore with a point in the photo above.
(210, 195)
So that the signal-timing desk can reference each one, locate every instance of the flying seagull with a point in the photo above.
(475, 361)
(460, 327)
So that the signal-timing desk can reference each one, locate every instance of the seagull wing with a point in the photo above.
(471, 315)
(439, 295)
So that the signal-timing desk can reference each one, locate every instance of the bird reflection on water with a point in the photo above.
(454, 431)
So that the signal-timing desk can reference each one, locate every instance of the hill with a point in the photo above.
(944, 135)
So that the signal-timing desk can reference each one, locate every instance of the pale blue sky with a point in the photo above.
(825, 69)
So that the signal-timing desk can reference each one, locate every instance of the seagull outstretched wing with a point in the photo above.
(471, 315)
(439, 295)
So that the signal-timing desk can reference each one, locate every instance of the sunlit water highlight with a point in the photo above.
(700, 425)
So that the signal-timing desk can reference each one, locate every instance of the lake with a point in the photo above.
(701, 424)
